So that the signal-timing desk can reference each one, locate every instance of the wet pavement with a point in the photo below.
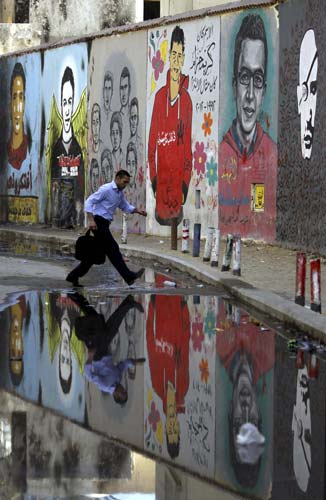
(206, 366)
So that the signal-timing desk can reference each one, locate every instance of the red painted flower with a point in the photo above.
(208, 122)
(157, 64)
(197, 335)
(204, 372)
(154, 417)
(200, 158)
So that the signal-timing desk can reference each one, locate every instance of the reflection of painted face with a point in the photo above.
(176, 61)
(124, 91)
(107, 94)
(96, 126)
(133, 120)
(66, 105)
(307, 91)
(65, 351)
(244, 403)
(17, 104)
(249, 84)
(115, 137)
(172, 426)
(301, 427)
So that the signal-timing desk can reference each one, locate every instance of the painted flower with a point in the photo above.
(164, 50)
(200, 158)
(159, 432)
(204, 372)
(154, 416)
(210, 324)
(149, 397)
(157, 64)
(208, 122)
(197, 335)
(211, 171)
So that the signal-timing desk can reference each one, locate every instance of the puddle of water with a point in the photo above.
(174, 376)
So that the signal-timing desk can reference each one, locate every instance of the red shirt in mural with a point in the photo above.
(169, 150)
(241, 175)
(168, 334)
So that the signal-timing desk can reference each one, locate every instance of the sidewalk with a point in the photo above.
(267, 272)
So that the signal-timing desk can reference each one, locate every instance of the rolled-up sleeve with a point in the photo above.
(94, 199)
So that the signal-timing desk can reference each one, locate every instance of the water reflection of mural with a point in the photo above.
(247, 151)
(246, 357)
(19, 178)
(117, 96)
(66, 141)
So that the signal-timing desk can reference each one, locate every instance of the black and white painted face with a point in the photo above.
(307, 91)
(249, 86)
(124, 91)
(67, 105)
(107, 94)
(133, 120)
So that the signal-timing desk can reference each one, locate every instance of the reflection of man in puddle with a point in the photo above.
(65, 361)
(16, 350)
(301, 428)
(97, 334)
(167, 334)
(307, 91)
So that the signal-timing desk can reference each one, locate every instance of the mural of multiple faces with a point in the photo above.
(169, 119)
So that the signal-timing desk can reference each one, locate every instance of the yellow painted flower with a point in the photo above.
(153, 83)
(149, 397)
(159, 432)
(164, 50)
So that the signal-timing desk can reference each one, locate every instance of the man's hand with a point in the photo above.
(91, 222)
(140, 212)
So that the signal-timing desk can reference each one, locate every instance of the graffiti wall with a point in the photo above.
(116, 117)
(301, 183)
(182, 119)
(248, 124)
(20, 118)
(64, 131)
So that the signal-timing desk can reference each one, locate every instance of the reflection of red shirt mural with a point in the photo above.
(246, 338)
(169, 150)
(168, 334)
(237, 173)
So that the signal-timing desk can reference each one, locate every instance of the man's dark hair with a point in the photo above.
(173, 448)
(125, 74)
(68, 76)
(178, 37)
(134, 102)
(131, 147)
(116, 117)
(252, 28)
(122, 173)
(97, 108)
(108, 76)
(16, 72)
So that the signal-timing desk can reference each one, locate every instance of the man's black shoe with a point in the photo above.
(135, 277)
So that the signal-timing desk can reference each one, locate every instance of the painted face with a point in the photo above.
(124, 91)
(65, 351)
(67, 105)
(95, 178)
(17, 104)
(133, 120)
(176, 61)
(249, 85)
(115, 137)
(107, 94)
(107, 170)
(96, 124)
(307, 91)
(172, 426)
(131, 163)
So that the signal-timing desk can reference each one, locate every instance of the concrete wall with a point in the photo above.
(194, 166)
(301, 181)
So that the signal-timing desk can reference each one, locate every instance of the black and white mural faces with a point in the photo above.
(307, 91)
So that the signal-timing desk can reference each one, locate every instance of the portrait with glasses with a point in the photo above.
(247, 153)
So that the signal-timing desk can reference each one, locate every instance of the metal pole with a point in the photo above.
(196, 243)
(300, 279)
(315, 304)
(174, 234)
(228, 253)
(185, 236)
(208, 244)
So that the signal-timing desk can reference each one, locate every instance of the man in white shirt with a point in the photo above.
(100, 208)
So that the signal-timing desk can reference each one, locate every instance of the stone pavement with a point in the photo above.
(267, 279)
